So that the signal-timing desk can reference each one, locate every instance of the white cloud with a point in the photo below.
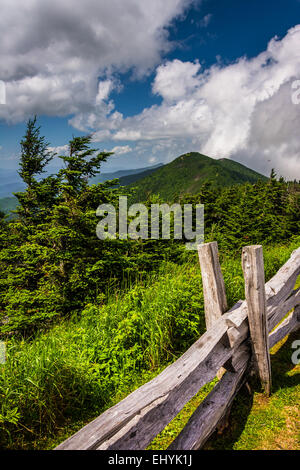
(243, 110)
(120, 150)
(174, 80)
(104, 89)
(52, 53)
(63, 150)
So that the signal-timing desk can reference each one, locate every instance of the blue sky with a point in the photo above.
(154, 80)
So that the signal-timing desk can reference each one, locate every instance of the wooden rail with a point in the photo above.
(236, 341)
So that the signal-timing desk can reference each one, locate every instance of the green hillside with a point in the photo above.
(115, 347)
(8, 204)
(132, 178)
(125, 177)
(133, 175)
(187, 173)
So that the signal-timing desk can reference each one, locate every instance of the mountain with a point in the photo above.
(187, 173)
(132, 178)
(8, 204)
(10, 182)
(132, 174)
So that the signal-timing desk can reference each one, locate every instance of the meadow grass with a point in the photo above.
(54, 383)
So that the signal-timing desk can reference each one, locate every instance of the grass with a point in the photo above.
(58, 381)
(79, 368)
(256, 422)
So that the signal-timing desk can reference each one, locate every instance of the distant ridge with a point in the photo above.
(188, 172)
(129, 179)
(102, 177)
(10, 182)
(8, 204)
(185, 174)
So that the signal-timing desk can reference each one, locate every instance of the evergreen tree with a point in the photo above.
(35, 156)
(52, 263)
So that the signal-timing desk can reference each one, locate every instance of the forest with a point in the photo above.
(85, 320)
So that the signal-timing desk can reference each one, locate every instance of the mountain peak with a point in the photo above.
(188, 172)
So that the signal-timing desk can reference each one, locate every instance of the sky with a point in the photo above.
(153, 80)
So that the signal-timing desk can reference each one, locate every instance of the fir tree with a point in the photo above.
(35, 156)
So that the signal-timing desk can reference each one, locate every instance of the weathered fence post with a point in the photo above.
(138, 418)
(253, 267)
(215, 302)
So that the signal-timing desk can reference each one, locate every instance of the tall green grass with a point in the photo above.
(70, 374)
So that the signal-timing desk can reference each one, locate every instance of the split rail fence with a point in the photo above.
(236, 343)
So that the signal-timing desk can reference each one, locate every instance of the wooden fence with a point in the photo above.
(236, 342)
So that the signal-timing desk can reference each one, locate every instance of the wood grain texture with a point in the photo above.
(290, 324)
(253, 268)
(212, 410)
(215, 302)
(277, 313)
(171, 389)
(132, 423)
(140, 431)
(280, 286)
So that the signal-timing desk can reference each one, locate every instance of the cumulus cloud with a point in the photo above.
(273, 140)
(63, 150)
(174, 80)
(243, 110)
(104, 89)
(120, 149)
(63, 58)
(52, 53)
